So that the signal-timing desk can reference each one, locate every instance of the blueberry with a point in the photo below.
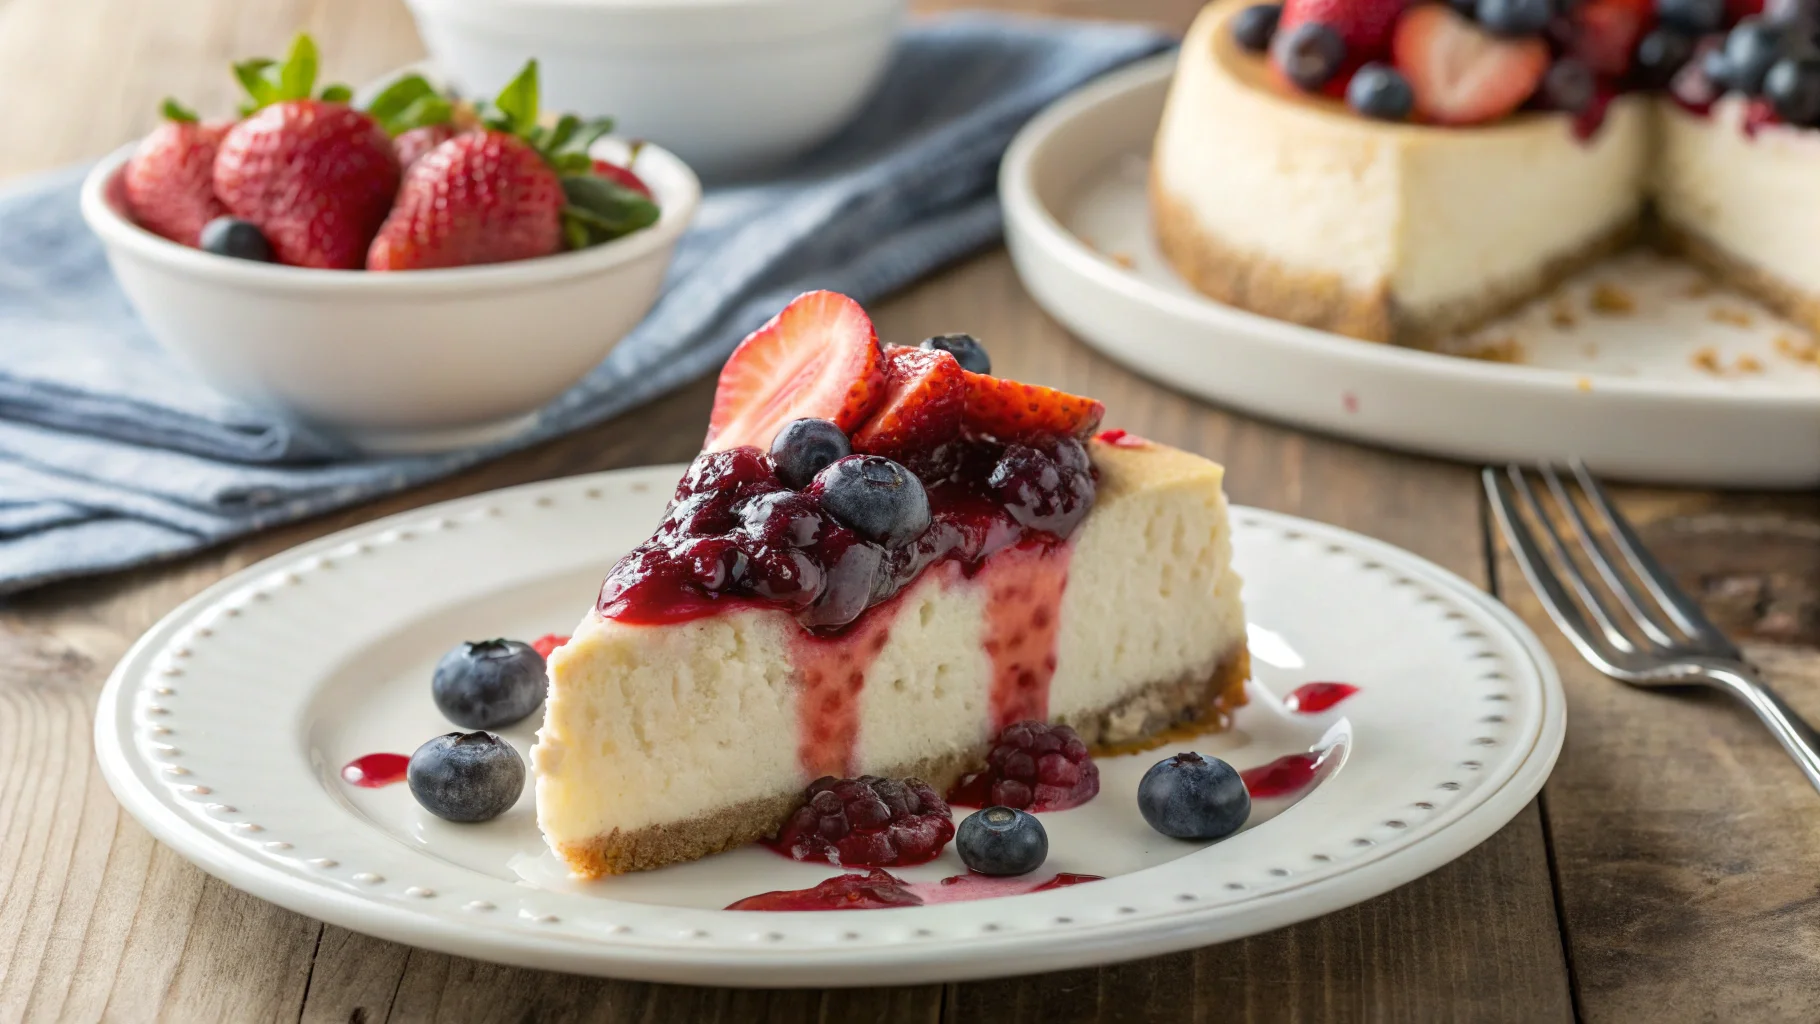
(1569, 85)
(806, 447)
(1465, 8)
(1515, 17)
(1309, 54)
(1002, 841)
(1253, 27)
(1380, 91)
(231, 236)
(965, 348)
(474, 776)
(1661, 54)
(1193, 797)
(1789, 12)
(1793, 88)
(486, 684)
(1717, 69)
(1750, 48)
(879, 499)
(1695, 16)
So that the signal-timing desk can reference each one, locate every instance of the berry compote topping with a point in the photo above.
(735, 534)
(868, 822)
(881, 890)
(1032, 767)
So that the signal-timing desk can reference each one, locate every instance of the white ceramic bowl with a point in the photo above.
(419, 360)
(731, 86)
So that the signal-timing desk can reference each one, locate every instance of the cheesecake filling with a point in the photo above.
(680, 724)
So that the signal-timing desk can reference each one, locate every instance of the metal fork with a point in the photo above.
(1637, 627)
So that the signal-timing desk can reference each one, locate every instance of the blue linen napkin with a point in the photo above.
(112, 456)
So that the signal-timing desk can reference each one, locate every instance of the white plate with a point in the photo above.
(224, 728)
(1620, 392)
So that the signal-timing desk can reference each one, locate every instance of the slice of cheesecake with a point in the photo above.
(760, 640)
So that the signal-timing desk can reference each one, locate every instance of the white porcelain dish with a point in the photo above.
(731, 86)
(1621, 392)
(224, 727)
(421, 360)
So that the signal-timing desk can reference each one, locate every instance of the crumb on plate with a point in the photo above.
(1730, 315)
(1561, 313)
(1506, 349)
(1124, 259)
(1583, 383)
(1747, 363)
(1801, 350)
(1612, 300)
(1706, 360)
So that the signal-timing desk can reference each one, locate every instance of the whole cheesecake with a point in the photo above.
(1293, 206)
(772, 633)
(1449, 169)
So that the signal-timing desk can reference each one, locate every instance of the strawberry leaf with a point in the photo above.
(517, 103)
(410, 102)
(174, 111)
(604, 210)
(251, 74)
(337, 93)
(297, 76)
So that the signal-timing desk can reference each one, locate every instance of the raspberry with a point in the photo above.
(867, 821)
(1032, 767)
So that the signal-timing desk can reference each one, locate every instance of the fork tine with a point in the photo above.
(1680, 608)
(1542, 580)
(1590, 598)
(1618, 583)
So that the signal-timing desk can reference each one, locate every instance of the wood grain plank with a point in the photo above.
(1683, 835)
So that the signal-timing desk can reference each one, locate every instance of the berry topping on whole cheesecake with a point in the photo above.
(1466, 62)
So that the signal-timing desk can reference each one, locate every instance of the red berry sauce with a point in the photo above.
(1286, 776)
(373, 771)
(1033, 767)
(881, 890)
(867, 822)
(547, 643)
(1121, 439)
(1314, 698)
(735, 537)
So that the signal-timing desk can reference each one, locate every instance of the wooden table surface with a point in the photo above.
(1669, 870)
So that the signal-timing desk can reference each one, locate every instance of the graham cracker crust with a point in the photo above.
(1151, 715)
(1784, 299)
(1322, 300)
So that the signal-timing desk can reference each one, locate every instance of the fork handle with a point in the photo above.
(1790, 729)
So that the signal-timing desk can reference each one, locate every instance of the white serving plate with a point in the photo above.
(224, 727)
(1621, 392)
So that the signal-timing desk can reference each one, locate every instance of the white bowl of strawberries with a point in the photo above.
(411, 276)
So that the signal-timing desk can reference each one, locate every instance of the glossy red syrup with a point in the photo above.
(1023, 608)
(547, 643)
(880, 890)
(372, 771)
(1120, 439)
(1314, 698)
(735, 537)
(1286, 776)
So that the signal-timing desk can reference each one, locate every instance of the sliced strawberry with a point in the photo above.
(622, 176)
(818, 357)
(1007, 409)
(924, 395)
(1606, 33)
(1365, 26)
(1460, 73)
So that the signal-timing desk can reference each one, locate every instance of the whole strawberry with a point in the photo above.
(513, 191)
(315, 175)
(170, 181)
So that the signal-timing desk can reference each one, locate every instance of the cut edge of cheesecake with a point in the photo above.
(1185, 707)
(594, 719)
